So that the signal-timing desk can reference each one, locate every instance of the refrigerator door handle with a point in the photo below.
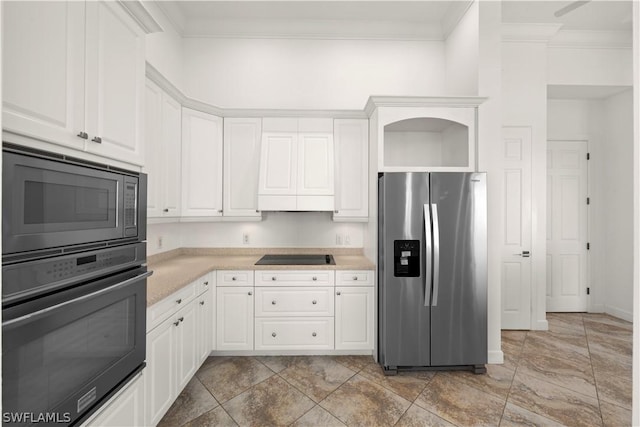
(427, 255)
(436, 254)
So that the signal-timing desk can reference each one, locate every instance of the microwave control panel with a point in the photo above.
(130, 207)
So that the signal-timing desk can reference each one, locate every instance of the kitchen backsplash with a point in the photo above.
(277, 230)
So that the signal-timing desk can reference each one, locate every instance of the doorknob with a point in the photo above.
(524, 254)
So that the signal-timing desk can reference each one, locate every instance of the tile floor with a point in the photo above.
(577, 374)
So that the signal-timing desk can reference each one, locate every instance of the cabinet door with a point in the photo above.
(241, 166)
(204, 325)
(201, 164)
(354, 318)
(127, 409)
(43, 70)
(160, 381)
(279, 164)
(315, 164)
(351, 138)
(171, 154)
(115, 67)
(153, 165)
(186, 344)
(234, 318)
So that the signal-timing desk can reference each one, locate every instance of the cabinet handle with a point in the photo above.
(165, 210)
(355, 278)
(206, 283)
(233, 278)
(335, 211)
(313, 334)
(273, 278)
(314, 302)
(257, 211)
(273, 302)
(181, 319)
(179, 300)
(219, 210)
(201, 302)
(176, 323)
(83, 135)
(338, 293)
(250, 293)
(314, 278)
(97, 139)
(273, 334)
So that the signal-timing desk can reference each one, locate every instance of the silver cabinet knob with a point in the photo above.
(233, 278)
(273, 302)
(206, 283)
(273, 278)
(165, 210)
(178, 301)
(338, 293)
(181, 319)
(355, 277)
(97, 139)
(83, 135)
(250, 293)
(219, 210)
(176, 323)
(314, 302)
(273, 334)
(201, 302)
(313, 334)
(314, 278)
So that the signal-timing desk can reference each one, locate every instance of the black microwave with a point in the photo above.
(53, 204)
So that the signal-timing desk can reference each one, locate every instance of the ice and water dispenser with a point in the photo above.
(406, 258)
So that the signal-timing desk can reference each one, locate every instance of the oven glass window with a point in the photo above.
(42, 373)
(48, 203)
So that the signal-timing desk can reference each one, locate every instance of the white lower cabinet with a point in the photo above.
(176, 347)
(234, 310)
(354, 310)
(294, 333)
(126, 408)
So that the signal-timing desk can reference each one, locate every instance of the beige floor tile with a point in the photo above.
(515, 416)
(609, 364)
(404, 384)
(558, 403)
(318, 417)
(460, 403)
(361, 402)
(277, 363)
(217, 417)
(512, 354)
(194, 401)
(355, 363)
(271, 403)
(231, 377)
(316, 376)
(590, 318)
(575, 374)
(556, 344)
(513, 337)
(496, 381)
(564, 321)
(615, 416)
(602, 342)
(615, 390)
(418, 417)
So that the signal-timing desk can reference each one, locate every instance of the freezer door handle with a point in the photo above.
(436, 254)
(427, 256)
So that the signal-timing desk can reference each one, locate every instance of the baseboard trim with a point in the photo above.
(495, 357)
(619, 313)
(540, 325)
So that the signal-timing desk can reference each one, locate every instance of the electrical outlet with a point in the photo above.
(347, 240)
(339, 239)
(160, 239)
(245, 238)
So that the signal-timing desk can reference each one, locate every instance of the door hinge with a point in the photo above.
(588, 246)
(588, 156)
(588, 291)
(588, 200)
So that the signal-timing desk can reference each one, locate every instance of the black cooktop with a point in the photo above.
(296, 260)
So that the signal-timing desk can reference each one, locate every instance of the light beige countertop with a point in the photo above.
(175, 269)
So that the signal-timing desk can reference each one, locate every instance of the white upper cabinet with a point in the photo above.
(163, 119)
(201, 164)
(73, 75)
(296, 165)
(43, 70)
(351, 137)
(241, 166)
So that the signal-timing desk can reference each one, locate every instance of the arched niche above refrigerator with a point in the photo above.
(423, 134)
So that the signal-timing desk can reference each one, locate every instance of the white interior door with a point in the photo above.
(567, 226)
(516, 260)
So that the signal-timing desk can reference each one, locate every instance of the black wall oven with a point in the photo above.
(73, 286)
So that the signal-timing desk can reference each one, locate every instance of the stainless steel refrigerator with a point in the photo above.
(432, 271)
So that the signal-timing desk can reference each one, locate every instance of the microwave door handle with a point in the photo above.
(427, 256)
(40, 313)
(436, 254)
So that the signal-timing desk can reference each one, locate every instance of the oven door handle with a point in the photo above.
(39, 313)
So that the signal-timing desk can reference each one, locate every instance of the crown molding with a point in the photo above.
(531, 33)
(454, 15)
(591, 39)
(174, 15)
(141, 15)
(375, 102)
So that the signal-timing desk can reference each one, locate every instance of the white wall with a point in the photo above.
(605, 67)
(309, 74)
(276, 230)
(618, 198)
(164, 50)
(461, 55)
(524, 103)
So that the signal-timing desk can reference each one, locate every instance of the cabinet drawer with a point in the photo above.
(354, 277)
(295, 278)
(160, 311)
(287, 301)
(234, 277)
(295, 333)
